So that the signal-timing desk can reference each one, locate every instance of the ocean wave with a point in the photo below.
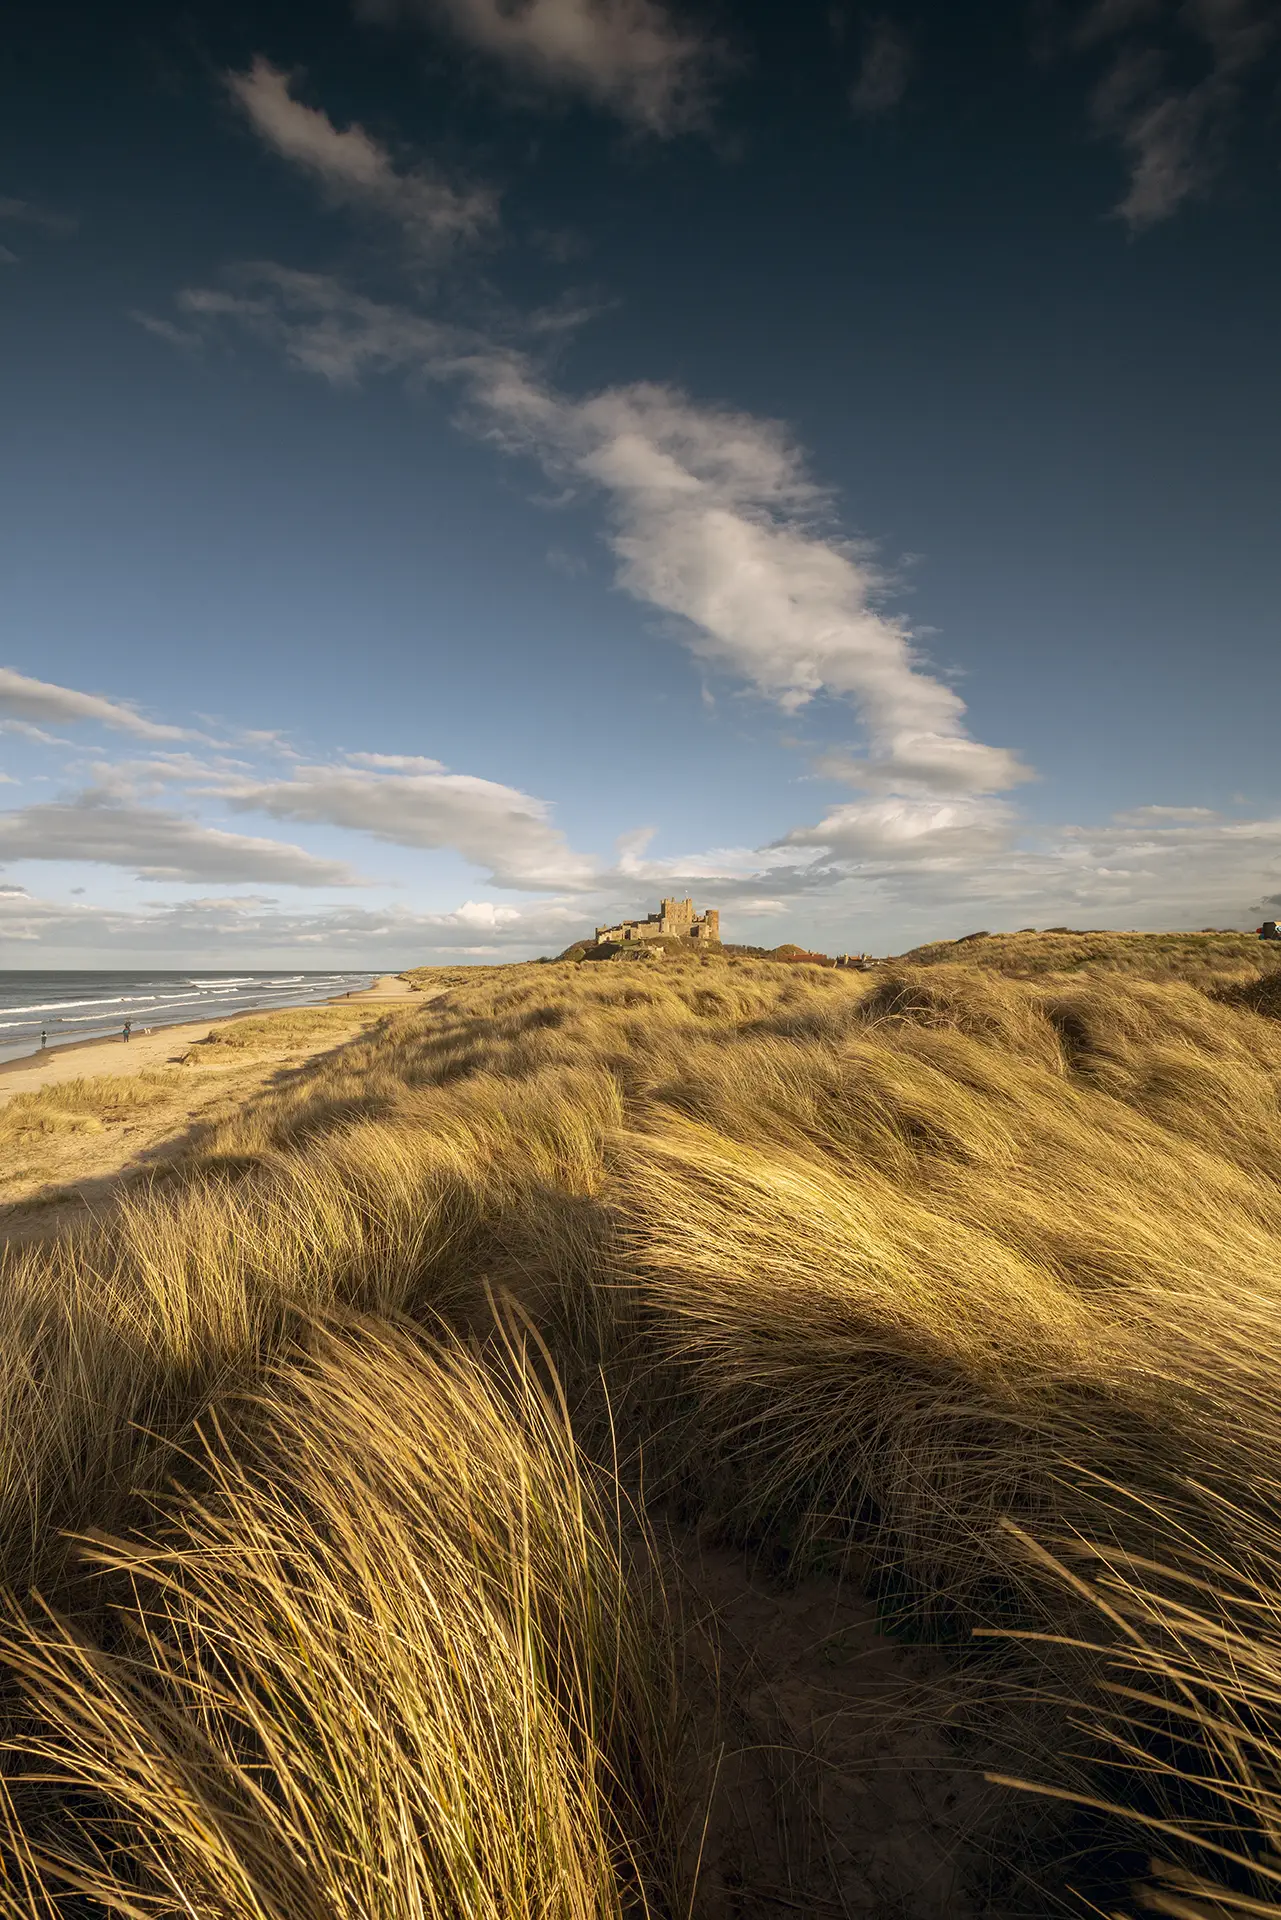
(56, 1006)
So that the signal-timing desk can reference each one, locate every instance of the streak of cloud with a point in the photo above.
(885, 71)
(1173, 91)
(505, 832)
(27, 700)
(631, 56)
(156, 844)
(355, 170)
(713, 520)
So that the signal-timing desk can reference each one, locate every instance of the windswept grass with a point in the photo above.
(81, 1103)
(390, 1663)
(1199, 957)
(965, 1281)
(287, 1027)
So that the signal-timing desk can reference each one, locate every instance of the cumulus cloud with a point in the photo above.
(631, 56)
(501, 830)
(483, 914)
(885, 70)
(1175, 83)
(901, 828)
(353, 168)
(157, 845)
(24, 699)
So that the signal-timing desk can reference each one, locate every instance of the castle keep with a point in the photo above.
(675, 920)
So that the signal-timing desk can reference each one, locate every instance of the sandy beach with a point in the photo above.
(389, 986)
(94, 1127)
(160, 1046)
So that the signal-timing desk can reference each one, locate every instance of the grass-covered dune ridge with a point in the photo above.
(1200, 957)
(962, 1282)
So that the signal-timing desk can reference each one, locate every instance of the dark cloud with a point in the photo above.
(883, 78)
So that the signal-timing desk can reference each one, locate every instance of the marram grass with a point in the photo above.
(324, 1602)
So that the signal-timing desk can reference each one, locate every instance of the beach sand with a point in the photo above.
(159, 1046)
(74, 1149)
(387, 987)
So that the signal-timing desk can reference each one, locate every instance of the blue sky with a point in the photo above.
(470, 469)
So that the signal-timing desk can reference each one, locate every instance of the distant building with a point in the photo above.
(675, 920)
(1269, 931)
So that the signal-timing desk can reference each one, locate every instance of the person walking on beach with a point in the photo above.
(44, 1037)
(128, 1025)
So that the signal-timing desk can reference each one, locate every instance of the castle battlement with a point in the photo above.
(675, 920)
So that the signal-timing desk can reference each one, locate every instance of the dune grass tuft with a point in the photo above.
(81, 1103)
(389, 1663)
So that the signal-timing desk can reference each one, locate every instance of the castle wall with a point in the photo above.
(676, 920)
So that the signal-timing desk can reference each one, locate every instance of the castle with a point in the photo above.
(675, 920)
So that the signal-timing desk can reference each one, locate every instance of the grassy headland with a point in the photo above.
(361, 1482)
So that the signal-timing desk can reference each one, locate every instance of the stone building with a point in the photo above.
(675, 920)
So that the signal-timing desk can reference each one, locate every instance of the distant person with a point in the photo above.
(128, 1029)
(44, 1037)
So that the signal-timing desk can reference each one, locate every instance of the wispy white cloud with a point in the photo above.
(885, 71)
(714, 521)
(396, 762)
(1165, 816)
(158, 771)
(506, 833)
(354, 169)
(157, 845)
(24, 699)
(631, 56)
(320, 326)
(185, 339)
(23, 730)
(1173, 89)
(29, 213)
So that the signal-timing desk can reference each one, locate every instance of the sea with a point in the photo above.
(85, 1005)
